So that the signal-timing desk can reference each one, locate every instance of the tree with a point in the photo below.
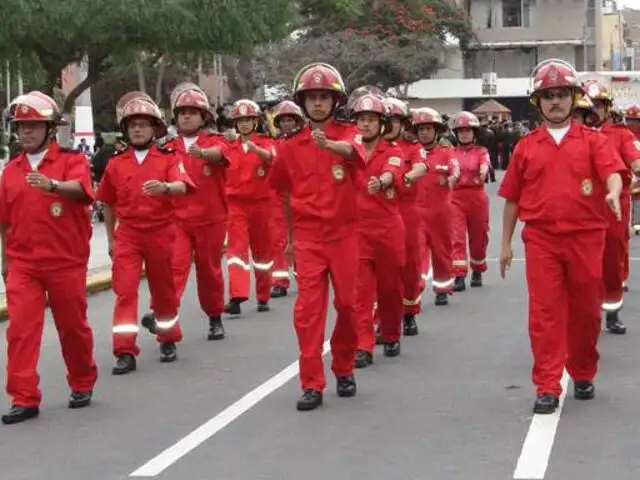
(392, 42)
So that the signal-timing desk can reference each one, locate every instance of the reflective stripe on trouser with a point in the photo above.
(155, 250)
(470, 218)
(564, 283)
(412, 219)
(66, 290)
(614, 259)
(249, 229)
(437, 231)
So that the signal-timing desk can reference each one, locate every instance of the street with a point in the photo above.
(456, 405)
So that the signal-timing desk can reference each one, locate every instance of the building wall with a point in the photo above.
(448, 106)
(612, 44)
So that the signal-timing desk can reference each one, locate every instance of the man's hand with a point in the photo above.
(484, 171)
(374, 185)
(506, 256)
(195, 151)
(155, 188)
(39, 181)
(251, 147)
(230, 135)
(320, 138)
(613, 200)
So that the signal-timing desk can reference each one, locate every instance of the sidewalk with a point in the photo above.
(99, 274)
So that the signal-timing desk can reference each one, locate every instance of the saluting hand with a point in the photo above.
(230, 135)
(154, 187)
(613, 200)
(374, 185)
(39, 181)
(195, 151)
(319, 137)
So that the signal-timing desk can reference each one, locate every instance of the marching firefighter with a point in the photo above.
(470, 203)
(617, 239)
(45, 192)
(319, 167)
(201, 216)
(381, 232)
(288, 119)
(249, 200)
(632, 119)
(434, 200)
(560, 179)
(414, 169)
(584, 112)
(137, 190)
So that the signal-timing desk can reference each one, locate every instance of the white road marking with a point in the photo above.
(522, 259)
(536, 451)
(203, 433)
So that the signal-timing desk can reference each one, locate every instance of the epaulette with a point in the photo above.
(166, 150)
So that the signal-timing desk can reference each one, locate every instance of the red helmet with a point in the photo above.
(319, 76)
(360, 91)
(555, 73)
(288, 108)
(396, 107)
(597, 90)
(369, 103)
(191, 96)
(36, 107)
(423, 116)
(466, 120)
(141, 107)
(632, 112)
(126, 98)
(245, 108)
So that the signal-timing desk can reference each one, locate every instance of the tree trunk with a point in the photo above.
(142, 80)
(240, 78)
(162, 65)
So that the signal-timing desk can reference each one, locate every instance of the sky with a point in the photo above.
(630, 3)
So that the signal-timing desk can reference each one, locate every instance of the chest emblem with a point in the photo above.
(390, 193)
(261, 172)
(443, 180)
(206, 170)
(56, 209)
(338, 172)
(586, 187)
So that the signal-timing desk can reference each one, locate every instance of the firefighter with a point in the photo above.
(249, 200)
(45, 192)
(434, 199)
(137, 190)
(584, 112)
(560, 179)
(201, 216)
(617, 240)
(470, 203)
(288, 119)
(319, 167)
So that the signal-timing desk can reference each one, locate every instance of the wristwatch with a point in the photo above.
(167, 188)
(53, 185)
(407, 180)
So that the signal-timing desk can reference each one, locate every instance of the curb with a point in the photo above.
(96, 282)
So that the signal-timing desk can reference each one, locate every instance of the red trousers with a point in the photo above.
(318, 262)
(280, 273)
(249, 229)
(66, 289)
(437, 230)
(381, 248)
(154, 248)
(616, 257)
(470, 216)
(564, 278)
(203, 246)
(413, 266)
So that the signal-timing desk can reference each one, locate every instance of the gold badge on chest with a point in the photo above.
(261, 172)
(338, 172)
(390, 193)
(56, 209)
(206, 170)
(586, 187)
(443, 180)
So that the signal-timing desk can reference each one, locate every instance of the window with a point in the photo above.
(515, 13)
(591, 13)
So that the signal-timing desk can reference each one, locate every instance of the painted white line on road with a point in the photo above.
(522, 259)
(203, 433)
(536, 451)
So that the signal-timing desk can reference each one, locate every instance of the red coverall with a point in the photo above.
(47, 249)
(249, 200)
(560, 192)
(323, 188)
(144, 234)
(381, 250)
(279, 238)
(470, 211)
(616, 250)
(201, 225)
(437, 214)
(411, 218)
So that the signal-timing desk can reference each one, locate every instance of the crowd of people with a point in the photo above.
(355, 191)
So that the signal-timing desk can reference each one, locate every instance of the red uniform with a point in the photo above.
(616, 251)
(323, 188)
(560, 191)
(470, 211)
(381, 250)
(144, 234)
(410, 212)
(249, 213)
(279, 238)
(47, 249)
(201, 224)
(437, 214)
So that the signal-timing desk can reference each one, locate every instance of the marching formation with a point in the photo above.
(367, 206)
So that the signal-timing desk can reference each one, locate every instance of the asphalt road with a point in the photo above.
(455, 405)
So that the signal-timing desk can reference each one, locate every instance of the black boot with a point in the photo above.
(125, 363)
(168, 352)
(584, 390)
(263, 307)
(278, 292)
(363, 359)
(149, 322)
(346, 386)
(80, 399)
(614, 324)
(392, 349)
(476, 279)
(458, 285)
(19, 414)
(310, 400)
(410, 326)
(546, 403)
(233, 307)
(216, 329)
(442, 299)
